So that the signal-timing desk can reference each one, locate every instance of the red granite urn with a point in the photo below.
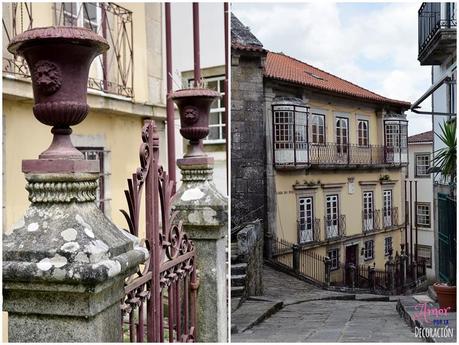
(194, 106)
(59, 59)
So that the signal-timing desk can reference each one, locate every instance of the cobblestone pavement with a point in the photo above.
(303, 319)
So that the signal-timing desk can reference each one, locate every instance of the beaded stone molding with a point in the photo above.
(196, 175)
(58, 189)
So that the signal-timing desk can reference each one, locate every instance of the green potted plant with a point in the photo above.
(445, 162)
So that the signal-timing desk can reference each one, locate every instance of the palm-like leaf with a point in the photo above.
(445, 157)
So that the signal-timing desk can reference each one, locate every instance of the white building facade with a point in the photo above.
(419, 157)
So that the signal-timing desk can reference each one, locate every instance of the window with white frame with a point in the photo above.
(369, 250)
(305, 219)
(85, 14)
(423, 214)
(387, 208)
(425, 253)
(333, 254)
(318, 128)
(217, 123)
(368, 214)
(392, 135)
(422, 164)
(363, 133)
(387, 246)
(283, 129)
(98, 153)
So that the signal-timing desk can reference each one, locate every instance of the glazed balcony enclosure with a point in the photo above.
(299, 140)
(437, 25)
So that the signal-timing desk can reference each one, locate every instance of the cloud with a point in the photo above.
(372, 45)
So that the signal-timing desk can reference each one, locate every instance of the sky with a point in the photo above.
(373, 45)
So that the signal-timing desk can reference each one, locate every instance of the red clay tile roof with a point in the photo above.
(283, 67)
(421, 137)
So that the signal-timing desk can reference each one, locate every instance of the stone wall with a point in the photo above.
(250, 248)
(248, 155)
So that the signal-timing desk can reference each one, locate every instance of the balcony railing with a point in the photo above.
(371, 220)
(337, 155)
(379, 219)
(307, 236)
(389, 217)
(335, 227)
(110, 73)
(432, 21)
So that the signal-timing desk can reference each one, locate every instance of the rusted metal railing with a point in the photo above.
(167, 281)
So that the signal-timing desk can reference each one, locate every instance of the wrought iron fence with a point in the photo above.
(311, 265)
(160, 299)
(430, 21)
(299, 260)
(282, 252)
(113, 71)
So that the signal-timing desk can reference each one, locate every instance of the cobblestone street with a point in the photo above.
(332, 318)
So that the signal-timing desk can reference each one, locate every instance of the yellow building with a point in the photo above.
(335, 154)
(126, 85)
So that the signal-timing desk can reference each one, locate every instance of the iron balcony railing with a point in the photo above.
(309, 235)
(112, 72)
(431, 20)
(389, 217)
(335, 227)
(339, 155)
(371, 220)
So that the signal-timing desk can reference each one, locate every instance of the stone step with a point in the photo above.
(237, 291)
(234, 258)
(238, 280)
(240, 268)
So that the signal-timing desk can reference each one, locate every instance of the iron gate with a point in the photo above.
(446, 236)
(160, 299)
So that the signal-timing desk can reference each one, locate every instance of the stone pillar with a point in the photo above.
(391, 272)
(372, 277)
(327, 262)
(352, 275)
(64, 262)
(203, 211)
(296, 258)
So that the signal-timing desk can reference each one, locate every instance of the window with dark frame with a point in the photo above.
(387, 246)
(363, 133)
(369, 250)
(333, 254)
(423, 214)
(422, 164)
(98, 153)
(425, 252)
(318, 128)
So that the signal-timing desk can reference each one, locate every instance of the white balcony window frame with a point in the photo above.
(305, 219)
(368, 211)
(331, 215)
(387, 208)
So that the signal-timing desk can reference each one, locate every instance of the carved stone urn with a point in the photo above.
(59, 59)
(194, 106)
